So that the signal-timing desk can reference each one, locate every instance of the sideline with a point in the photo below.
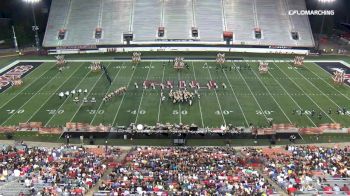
(9, 55)
(58, 144)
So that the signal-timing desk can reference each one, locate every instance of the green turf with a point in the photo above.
(7, 60)
(249, 97)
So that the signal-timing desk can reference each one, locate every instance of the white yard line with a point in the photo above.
(178, 79)
(110, 86)
(279, 106)
(327, 82)
(199, 101)
(143, 91)
(217, 98)
(9, 66)
(25, 87)
(307, 95)
(52, 94)
(250, 90)
(239, 104)
(116, 114)
(81, 104)
(47, 83)
(317, 88)
(291, 97)
(160, 99)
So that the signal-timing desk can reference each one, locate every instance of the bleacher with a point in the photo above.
(81, 18)
(146, 8)
(240, 23)
(273, 23)
(300, 23)
(56, 21)
(208, 15)
(14, 187)
(178, 19)
(115, 21)
(82, 22)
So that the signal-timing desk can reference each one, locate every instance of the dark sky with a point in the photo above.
(342, 14)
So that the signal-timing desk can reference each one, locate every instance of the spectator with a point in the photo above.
(186, 171)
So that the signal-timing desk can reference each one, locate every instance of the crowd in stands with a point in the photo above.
(67, 170)
(73, 170)
(185, 171)
(307, 168)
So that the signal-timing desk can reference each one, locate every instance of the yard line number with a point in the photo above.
(183, 112)
(265, 112)
(224, 112)
(309, 112)
(134, 112)
(93, 112)
(55, 112)
(119, 67)
(15, 111)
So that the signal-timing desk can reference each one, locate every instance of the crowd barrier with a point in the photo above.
(77, 127)
(73, 50)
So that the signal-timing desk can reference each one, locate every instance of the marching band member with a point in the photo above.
(76, 99)
(223, 85)
(61, 95)
(93, 100)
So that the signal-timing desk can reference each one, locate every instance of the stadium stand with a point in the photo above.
(56, 21)
(80, 18)
(299, 24)
(74, 170)
(185, 171)
(67, 170)
(211, 28)
(246, 24)
(178, 19)
(146, 33)
(273, 23)
(115, 21)
(307, 169)
(82, 22)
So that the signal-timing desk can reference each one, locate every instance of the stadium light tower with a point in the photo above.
(323, 3)
(326, 1)
(35, 28)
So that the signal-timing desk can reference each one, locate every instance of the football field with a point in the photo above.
(249, 97)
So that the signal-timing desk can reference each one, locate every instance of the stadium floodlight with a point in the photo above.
(326, 1)
(35, 28)
(31, 1)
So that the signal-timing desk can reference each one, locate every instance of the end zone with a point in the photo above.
(15, 70)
